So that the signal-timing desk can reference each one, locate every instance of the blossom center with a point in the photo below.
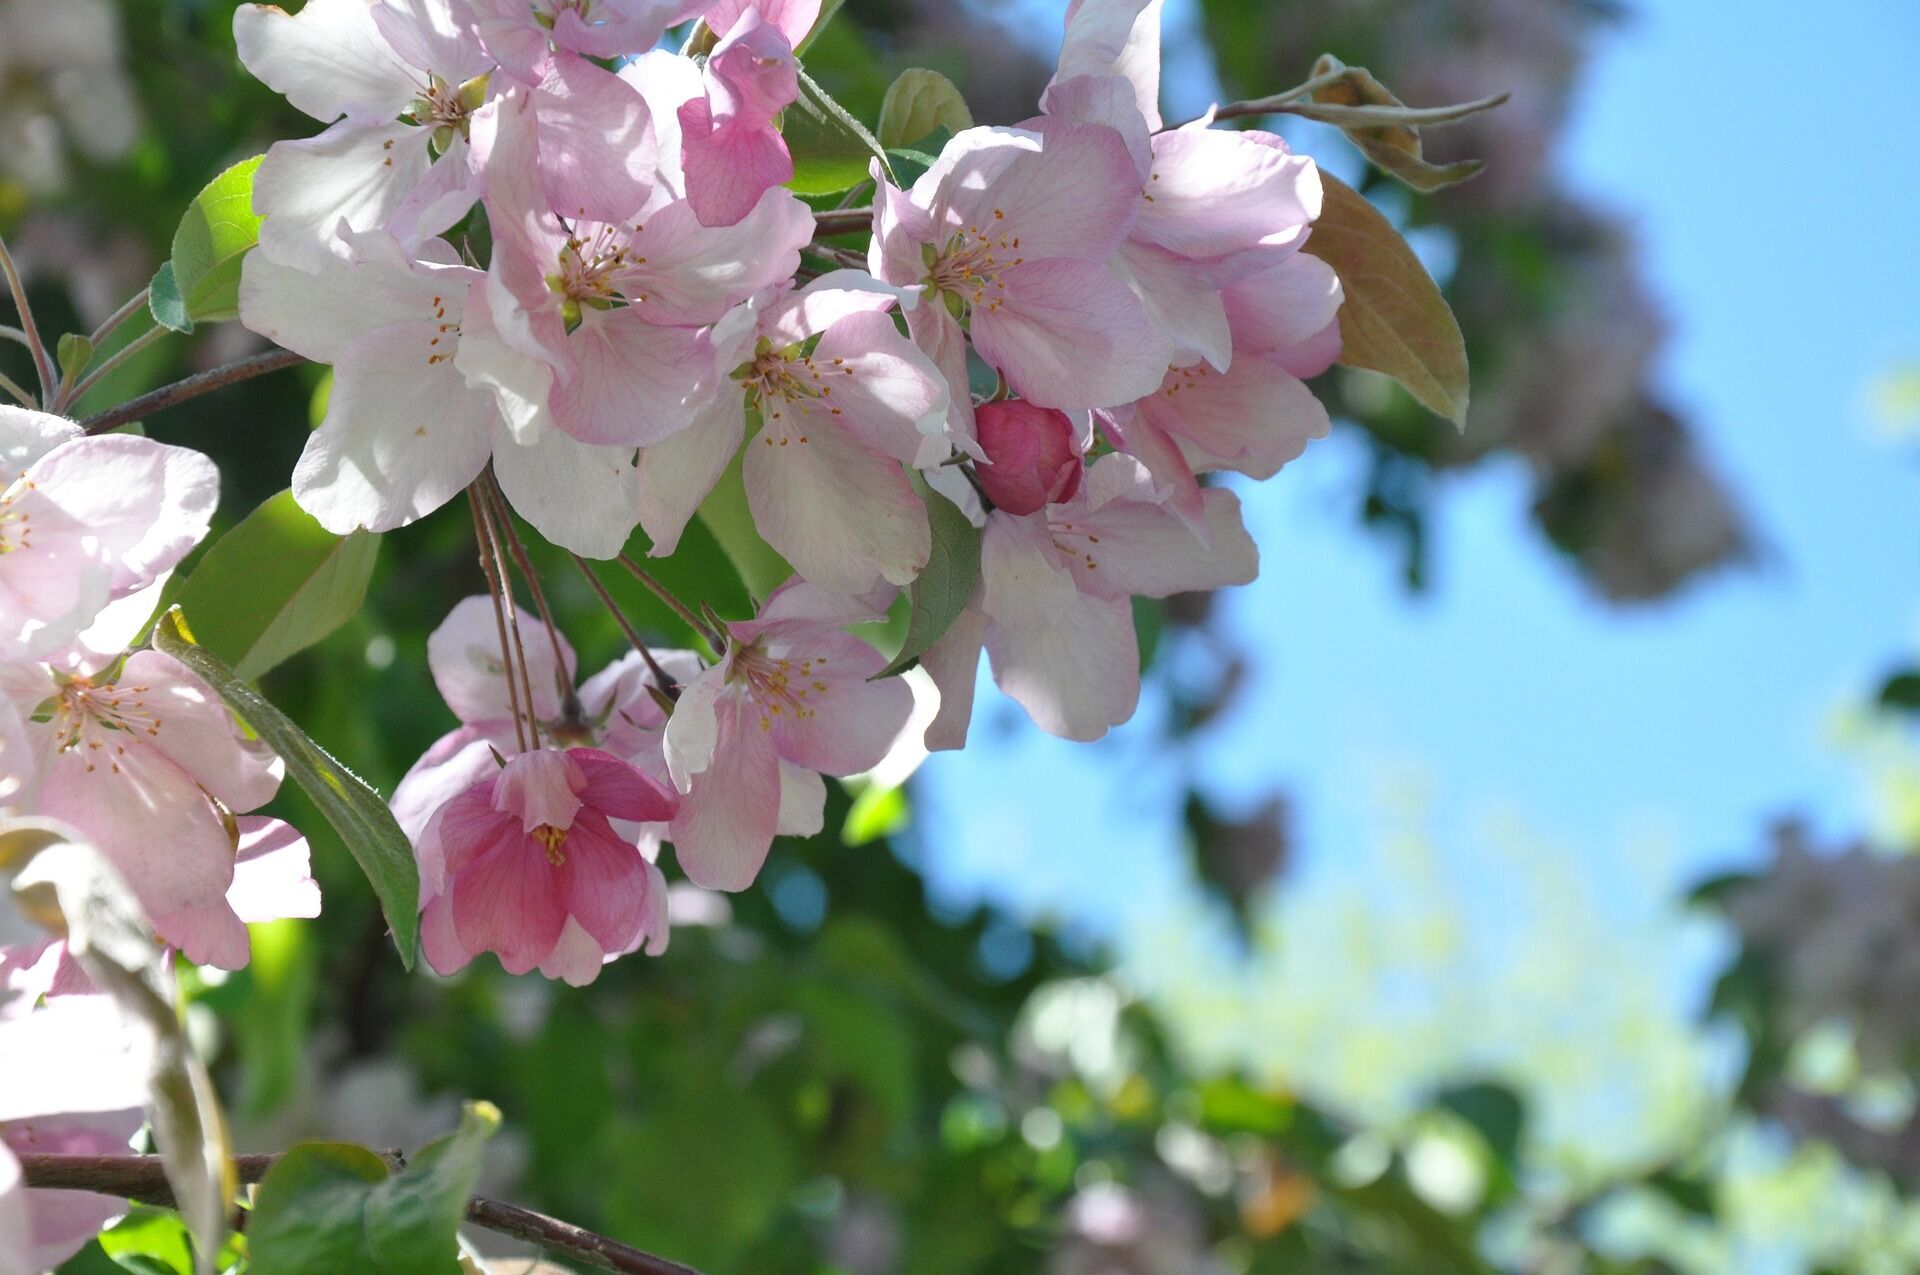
(555, 840)
(784, 380)
(16, 525)
(967, 270)
(98, 722)
(779, 686)
(589, 272)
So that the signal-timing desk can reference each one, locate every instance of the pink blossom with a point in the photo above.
(730, 147)
(1256, 416)
(87, 521)
(525, 35)
(1118, 38)
(149, 747)
(843, 402)
(793, 18)
(527, 865)
(1053, 605)
(615, 310)
(792, 686)
(1012, 230)
(1033, 456)
(403, 79)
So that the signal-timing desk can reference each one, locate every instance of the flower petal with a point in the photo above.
(728, 819)
(1072, 335)
(329, 59)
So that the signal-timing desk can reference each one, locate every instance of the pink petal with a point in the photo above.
(192, 727)
(1252, 419)
(616, 788)
(145, 504)
(1285, 307)
(595, 141)
(576, 959)
(26, 436)
(273, 873)
(206, 935)
(893, 398)
(1071, 335)
(1134, 546)
(439, 941)
(434, 36)
(329, 59)
(794, 18)
(849, 722)
(635, 383)
(464, 657)
(687, 273)
(677, 474)
(541, 788)
(354, 173)
(1116, 37)
(1186, 305)
(1076, 195)
(584, 498)
(1218, 192)
(727, 820)
(803, 801)
(508, 902)
(954, 665)
(603, 882)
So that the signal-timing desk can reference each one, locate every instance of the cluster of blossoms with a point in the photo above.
(642, 310)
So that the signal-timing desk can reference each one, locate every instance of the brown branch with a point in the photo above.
(143, 1178)
(191, 388)
(851, 221)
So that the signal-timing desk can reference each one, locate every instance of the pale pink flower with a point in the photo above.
(843, 403)
(1114, 38)
(1012, 230)
(398, 82)
(421, 392)
(615, 311)
(793, 18)
(527, 865)
(1053, 607)
(1255, 416)
(135, 759)
(87, 521)
(730, 147)
(525, 35)
(791, 687)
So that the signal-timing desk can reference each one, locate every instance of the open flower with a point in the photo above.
(526, 35)
(1053, 605)
(87, 521)
(792, 687)
(527, 865)
(1010, 232)
(843, 402)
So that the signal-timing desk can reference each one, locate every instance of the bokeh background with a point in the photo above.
(1516, 878)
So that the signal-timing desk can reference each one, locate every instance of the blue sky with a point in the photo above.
(1763, 174)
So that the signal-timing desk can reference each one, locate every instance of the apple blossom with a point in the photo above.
(527, 865)
(730, 148)
(1034, 458)
(791, 687)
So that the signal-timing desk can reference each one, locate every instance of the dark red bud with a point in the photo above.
(1035, 461)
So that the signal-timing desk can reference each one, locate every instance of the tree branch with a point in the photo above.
(143, 1178)
(191, 388)
(851, 221)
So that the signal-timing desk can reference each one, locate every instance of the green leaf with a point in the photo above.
(831, 149)
(275, 585)
(940, 593)
(910, 162)
(149, 1240)
(329, 1207)
(1394, 319)
(1494, 1111)
(309, 1215)
(411, 1216)
(218, 229)
(169, 308)
(1902, 691)
(76, 351)
(726, 515)
(355, 810)
(918, 102)
(877, 812)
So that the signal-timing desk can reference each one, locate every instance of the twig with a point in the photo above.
(10, 333)
(839, 256)
(42, 361)
(504, 517)
(191, 388)
(512, 606)
(14, 388)
(849, 221)
(674, 604)
(105, 366)
(664, 682)
(144, 1178)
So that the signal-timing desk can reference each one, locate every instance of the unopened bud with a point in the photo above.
(1034, 459)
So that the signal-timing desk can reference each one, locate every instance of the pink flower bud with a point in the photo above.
(1034, 459)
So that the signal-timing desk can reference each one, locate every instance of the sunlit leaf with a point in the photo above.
(276, 584)
(216, 232)
(164, 301)
(832, 151)
(918, 102)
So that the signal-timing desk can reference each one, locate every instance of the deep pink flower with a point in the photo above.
(527, 865)
(730, 147)
(843, 402)
(1033, 456)
(791, 688)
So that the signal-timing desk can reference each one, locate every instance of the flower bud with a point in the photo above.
(1034, 458)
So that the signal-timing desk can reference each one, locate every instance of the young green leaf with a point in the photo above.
(831, 149)
(411, 1216)
(275, 585)
(918, 102)
(1394, 319)
(75, 351)
(218, 229)
(169, 308)
(355, 810)
(940, 593)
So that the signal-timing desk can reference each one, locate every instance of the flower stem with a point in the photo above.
(144, 1178)
(716, 640)
(12, 387)
(489, 565)
(503, 517)
(74, 394)
(42, 361)
(664, 682)
(134, 305)
(190, 388)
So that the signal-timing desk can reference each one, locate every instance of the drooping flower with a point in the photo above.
(1053, 605)
(615, 310)
(529, 866)
(843, 401)
(398, 83)
(731, 149)
(86, 521)
(792, 687)
(1011, 231)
